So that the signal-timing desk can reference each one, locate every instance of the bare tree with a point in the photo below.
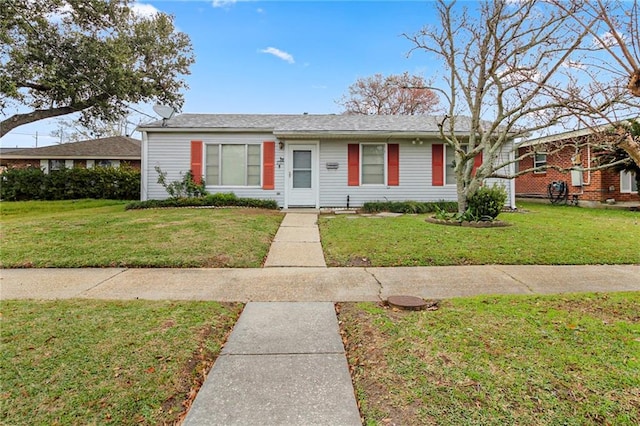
(512, 69)
(74, 130)
(393, 94)
(610, 68)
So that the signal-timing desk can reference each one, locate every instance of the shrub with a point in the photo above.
(409, 207)
(486, 203)
(213, 200)
(69, 184)
(185, 188)
(22, 184)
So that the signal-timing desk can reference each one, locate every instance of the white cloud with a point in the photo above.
(139, 9)
(607, 39)
(144, 10)
(279, 54)
(260, 10)
(574, 64)
(223, 3)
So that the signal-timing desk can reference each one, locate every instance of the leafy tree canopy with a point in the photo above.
(91, 56)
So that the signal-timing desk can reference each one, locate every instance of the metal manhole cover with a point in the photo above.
(411, 303)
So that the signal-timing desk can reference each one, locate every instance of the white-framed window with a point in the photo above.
(233, 164)
(539, 160)
(103, 163)
(372, 164)
(55, 165)
(450, 164)
(628, 182)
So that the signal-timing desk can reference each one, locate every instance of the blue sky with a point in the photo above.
(282, 56)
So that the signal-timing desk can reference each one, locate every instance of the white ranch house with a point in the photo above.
(317, 161)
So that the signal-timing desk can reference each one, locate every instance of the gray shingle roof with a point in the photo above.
(115, 147)
(292, 124)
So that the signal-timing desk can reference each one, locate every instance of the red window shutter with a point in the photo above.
(196, 161)
(477, 162)
(353, 164)
(437, 164)
(268, 165)
(393, 164)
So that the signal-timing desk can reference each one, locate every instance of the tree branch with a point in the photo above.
(19, 119)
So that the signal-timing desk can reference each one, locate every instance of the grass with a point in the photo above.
(570, 360)
(99, 362)
(543, 235)
(72, 234)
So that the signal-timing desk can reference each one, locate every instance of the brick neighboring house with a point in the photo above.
(112, 151)
(571, 150)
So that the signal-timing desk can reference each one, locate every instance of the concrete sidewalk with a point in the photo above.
(297, 243)
(284, 364)
(313, 284)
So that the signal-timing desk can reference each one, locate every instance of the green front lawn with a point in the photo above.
(97, 362)
(542, 234)
(101, 234)
(535, 360)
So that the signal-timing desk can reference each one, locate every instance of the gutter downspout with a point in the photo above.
(144, 167)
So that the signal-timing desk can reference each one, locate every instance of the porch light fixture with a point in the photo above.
(281, 145)
(417, 141)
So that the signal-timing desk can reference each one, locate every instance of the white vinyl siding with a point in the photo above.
(415, 177)
(372, 164)
(171, 152)
(232, 165)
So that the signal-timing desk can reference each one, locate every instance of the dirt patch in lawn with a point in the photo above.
(360, 261)
(368, 365)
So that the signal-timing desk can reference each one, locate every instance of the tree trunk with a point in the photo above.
(632, 147)
(462, 195)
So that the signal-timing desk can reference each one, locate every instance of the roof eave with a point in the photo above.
(205, 129)
(69, 157)
(353, 134)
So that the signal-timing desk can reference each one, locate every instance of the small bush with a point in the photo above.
(486, 203)
(409, 207)
(213, 200)
(33, 183)
(185, 188)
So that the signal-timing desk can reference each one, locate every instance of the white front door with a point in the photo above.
(302, 176)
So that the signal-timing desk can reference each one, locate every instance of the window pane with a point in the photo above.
(373, 164)
(634, 182)
(539, 160)
(450, 160)
(233, 165)
(301, 159)
(302, 178)
(253, 165)
(213, 165)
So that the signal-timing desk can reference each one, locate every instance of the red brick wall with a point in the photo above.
(596, 184)
(21, 164)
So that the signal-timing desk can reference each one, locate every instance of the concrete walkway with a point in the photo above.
(297, 243)
(284, 364)
(313, 284)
